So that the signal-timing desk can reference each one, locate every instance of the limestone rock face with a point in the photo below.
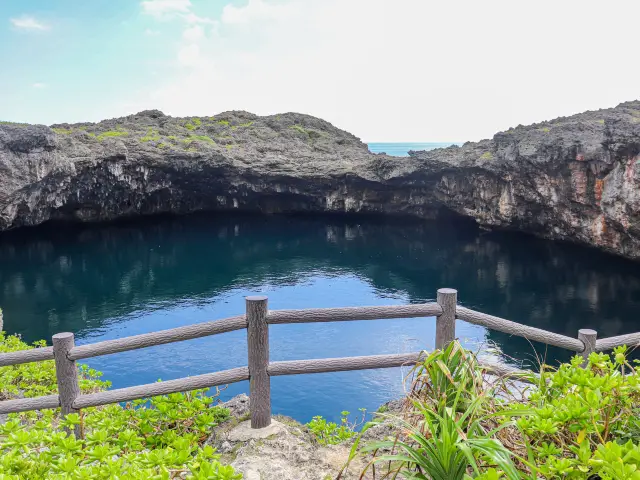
(284, 450)
(573, 178)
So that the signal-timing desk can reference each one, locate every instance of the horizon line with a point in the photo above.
(411, 142)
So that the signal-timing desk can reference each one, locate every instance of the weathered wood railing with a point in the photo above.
(259, 370)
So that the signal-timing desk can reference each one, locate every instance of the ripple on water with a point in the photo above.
(105, 282)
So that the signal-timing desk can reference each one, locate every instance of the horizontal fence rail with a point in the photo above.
(162, 388)
(632, 339)
(513, 328)
(256, 322)
(298, 367)
(158, 338)
(26, 356)
(275, 317)
(28, 404)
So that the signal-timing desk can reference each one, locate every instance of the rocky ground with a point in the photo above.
(573, 178)
(285, 450)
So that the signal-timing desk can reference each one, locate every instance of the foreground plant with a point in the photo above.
(575, 422)
(331, 433)
(584, 421)
(155, 439)
(444, 447)
(447, 431)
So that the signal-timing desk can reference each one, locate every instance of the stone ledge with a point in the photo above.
(243, 431)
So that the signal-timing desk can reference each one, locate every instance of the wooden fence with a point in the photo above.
(259, 370)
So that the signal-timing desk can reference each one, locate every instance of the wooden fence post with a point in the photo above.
(258, 349)
(588, 337)
(67, 375)
(446, 322)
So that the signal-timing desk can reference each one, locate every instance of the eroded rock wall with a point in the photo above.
(573, 178)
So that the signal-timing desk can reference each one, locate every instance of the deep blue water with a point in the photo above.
(109, 281)
(402, 149)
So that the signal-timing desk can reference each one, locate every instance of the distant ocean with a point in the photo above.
(402, 149)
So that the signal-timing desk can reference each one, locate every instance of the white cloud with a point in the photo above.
(190, 56)
(193, 18)
(409, 69)
(172, 9)
(39, 85)
(29, 23)
(255, 10)
(151, 33)
(194, 33)
(160, 8)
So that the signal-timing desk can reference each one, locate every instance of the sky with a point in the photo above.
(385, 70)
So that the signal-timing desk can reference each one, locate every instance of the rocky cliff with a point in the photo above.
(573, 178)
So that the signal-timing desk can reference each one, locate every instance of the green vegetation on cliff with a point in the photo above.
(112, 133)
(199, 138)
(194, 124)
(151, 135)
(63, 131)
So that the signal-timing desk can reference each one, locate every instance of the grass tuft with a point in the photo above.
(199, 138)
(112, 133)
(242, 125)
(300, 128)
(63, 131)
(461, 421)
(151, 136)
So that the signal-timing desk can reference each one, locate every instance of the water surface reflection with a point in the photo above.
(110, 281)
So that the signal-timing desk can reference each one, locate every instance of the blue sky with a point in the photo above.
(401, 70)
(76, 60)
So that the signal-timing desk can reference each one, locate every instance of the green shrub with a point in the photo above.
(112, 133)
(14, 124)
(36, 379)
(158, 438)
(62, 131)
(331, 433)
(199, 138)
(223, 122)
(577, 413)
(194, 124)
(447, 434)
(151, 135)
(574, 423)
(299, 128)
